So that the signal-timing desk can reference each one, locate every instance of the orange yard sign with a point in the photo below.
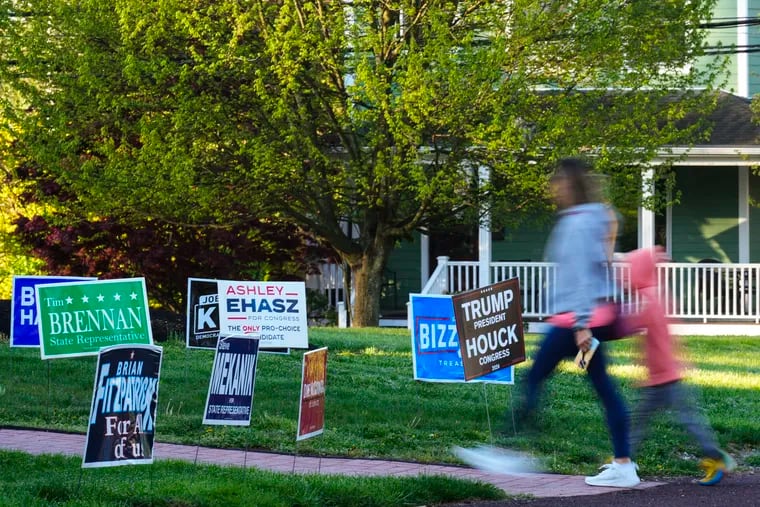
(311, 416)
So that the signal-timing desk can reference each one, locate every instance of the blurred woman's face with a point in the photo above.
(560, 190)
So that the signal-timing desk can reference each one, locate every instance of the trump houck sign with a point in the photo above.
(80, 318)
(489, 323)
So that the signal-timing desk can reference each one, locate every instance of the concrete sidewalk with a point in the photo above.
(539, 485)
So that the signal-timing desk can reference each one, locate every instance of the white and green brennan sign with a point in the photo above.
(79, 318)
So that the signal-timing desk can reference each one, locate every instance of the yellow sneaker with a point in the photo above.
(714, 469)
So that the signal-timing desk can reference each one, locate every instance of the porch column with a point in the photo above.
(646, 216)
(484, 240)
(484, 254)
(742, 58)
(743, 214)
(424, 259)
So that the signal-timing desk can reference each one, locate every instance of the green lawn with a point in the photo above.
(27, 481)
(374, 408)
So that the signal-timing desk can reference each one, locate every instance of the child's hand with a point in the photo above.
(583, 339)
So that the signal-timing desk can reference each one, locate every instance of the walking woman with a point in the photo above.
(580, 246)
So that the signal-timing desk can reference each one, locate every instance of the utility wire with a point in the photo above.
(730, 23)
(731, 50)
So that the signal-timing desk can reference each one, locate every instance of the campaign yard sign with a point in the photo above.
(122, 420)
(202, 329)
(489, 323)
(436, 356)
(80, 318)
(275, 312)
(202, 320)
(311, 412)
(24, 318)
(233, 376)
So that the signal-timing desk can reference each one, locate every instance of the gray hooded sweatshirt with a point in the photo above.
(578, 246)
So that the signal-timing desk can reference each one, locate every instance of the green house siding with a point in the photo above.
(723, 10)
(754, 218)
(705, 222)
(525, 243)
(754, 58)
(727, 37)
(402, 276)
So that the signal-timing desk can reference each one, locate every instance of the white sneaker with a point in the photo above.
(498, 460)
(616, 475)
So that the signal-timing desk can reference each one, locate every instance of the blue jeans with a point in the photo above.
(558, 344)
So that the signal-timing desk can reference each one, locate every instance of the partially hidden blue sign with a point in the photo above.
(436, 354)
(24, 328)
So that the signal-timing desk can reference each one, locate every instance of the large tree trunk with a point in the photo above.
(367, 273)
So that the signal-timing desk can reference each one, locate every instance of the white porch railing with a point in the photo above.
(329, 281)
(696, 292)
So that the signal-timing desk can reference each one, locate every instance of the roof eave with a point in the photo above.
(711, 155)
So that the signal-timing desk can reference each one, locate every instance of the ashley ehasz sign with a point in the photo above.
(274, 312)
(489, 324)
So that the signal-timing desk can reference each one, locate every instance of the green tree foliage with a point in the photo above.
(166, 254)
(362, 121)
(74, 234)
(15, 257)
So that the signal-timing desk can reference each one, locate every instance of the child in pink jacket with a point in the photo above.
(663, 388)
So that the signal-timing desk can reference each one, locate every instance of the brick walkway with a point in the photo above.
(539, 485)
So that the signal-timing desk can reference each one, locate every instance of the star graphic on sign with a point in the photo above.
(117, 297)
(132, 355)
(85, 299)
(69, 300)
(133, 296)
(100, 298)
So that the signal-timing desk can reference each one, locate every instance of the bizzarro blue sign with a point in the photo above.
(435, 343)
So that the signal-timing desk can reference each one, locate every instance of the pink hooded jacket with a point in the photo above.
(660, 346)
